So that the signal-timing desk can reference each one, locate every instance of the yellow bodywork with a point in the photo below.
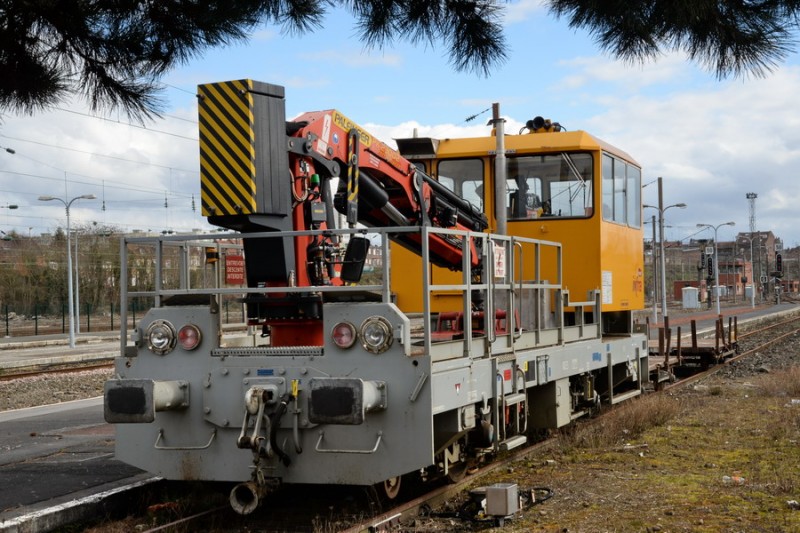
(597, 254)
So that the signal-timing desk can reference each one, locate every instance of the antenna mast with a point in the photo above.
(751, 198)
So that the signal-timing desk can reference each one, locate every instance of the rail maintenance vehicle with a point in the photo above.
(404, 312)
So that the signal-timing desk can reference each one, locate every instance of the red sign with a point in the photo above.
(234, 269)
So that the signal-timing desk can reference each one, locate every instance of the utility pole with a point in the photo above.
(661, 257)
(655, 275)
(661, 249)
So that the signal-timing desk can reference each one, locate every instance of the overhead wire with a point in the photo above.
(129, 124)
(158, 196)
(95, 154)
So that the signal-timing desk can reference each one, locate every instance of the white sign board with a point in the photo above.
(608, 282)
(499, 261)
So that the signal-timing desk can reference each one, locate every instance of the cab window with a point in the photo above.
(554, 185)
(464, 177)
(621, 192)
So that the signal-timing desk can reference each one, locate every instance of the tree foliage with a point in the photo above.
(33, 277)
(728, 37)
(114, 52)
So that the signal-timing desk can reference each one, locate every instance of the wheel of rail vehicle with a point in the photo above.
(390, 488)
(454, 461)
(456, 472)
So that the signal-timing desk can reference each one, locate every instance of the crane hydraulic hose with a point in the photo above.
(468, 215)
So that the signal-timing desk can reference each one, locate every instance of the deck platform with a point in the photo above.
(669, 353)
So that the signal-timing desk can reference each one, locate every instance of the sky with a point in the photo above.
(712, 141)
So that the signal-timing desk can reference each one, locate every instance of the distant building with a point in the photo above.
(749, 260)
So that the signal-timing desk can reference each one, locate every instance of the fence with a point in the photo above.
(91, 319)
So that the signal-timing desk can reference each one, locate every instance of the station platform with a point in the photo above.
(46, 350)
(705, 318)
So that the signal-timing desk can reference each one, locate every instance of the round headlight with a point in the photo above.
(344, 334)
(161, 337)
(376, 334)
(189, 337)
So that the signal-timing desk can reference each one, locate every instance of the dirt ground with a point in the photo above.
(724, 456)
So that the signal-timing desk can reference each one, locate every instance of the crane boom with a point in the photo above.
(260, 173)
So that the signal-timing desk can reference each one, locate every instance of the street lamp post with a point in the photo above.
(71, 310)
(662, 258)
(716, 254)
(77, 288)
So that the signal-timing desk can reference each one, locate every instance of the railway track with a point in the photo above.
(55, 369)
(750, 342)
(354, 510)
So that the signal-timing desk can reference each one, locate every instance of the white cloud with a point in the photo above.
(438, 131)
(302, 82)
(713, 145)
(352, 58)
(522, 10)
(586, 71)
(131, 170)
(264, 35)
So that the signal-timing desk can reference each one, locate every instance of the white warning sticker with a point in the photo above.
(608, 282)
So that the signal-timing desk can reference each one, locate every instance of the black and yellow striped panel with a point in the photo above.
(227, 153)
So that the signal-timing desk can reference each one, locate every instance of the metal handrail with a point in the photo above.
(517, 249)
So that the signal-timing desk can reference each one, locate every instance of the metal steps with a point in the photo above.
(513, 442)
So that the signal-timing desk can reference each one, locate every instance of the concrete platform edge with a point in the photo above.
(55, 514)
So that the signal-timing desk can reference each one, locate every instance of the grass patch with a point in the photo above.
(629, 421)
(784, 383)
(668, 463)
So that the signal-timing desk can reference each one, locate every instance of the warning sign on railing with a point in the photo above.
(499, 261)
(234, 269)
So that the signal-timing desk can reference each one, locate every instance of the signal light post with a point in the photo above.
(716, 253)
(753, 279)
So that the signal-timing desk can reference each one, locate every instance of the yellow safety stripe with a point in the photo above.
(227, 151)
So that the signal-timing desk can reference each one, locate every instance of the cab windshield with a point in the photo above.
(554, 185)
